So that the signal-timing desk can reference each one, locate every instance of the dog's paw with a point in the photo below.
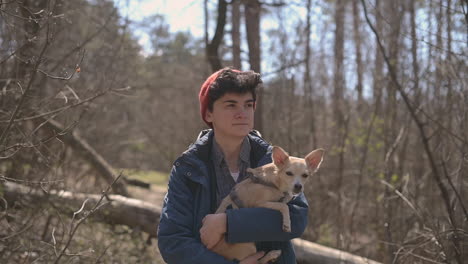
(286, 228)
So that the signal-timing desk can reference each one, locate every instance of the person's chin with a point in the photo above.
(242, 130)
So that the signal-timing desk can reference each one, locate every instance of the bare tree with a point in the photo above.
(308, 87)
(358, 47)
(339, 109)
(252, 10)
(235, 34)
(212, 47)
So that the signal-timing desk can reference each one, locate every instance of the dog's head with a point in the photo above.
(291, 173)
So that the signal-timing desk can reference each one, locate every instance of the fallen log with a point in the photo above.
(74, 140)
(118, 210)
(145, 217)
(312, 253)
(138, 183)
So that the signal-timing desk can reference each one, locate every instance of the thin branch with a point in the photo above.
(31, 80)
(41, 115)
(16, 233)
(275, 4)
(4, 178)
(285, 67)
(88, 214)
(89, 39)
(460, 200)
(419, 124)
(18, 146)
(77, 68)
(397, 192)
(13, 53)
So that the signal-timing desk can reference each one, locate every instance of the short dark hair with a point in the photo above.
(233, 81)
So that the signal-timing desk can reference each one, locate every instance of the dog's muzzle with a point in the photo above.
(297, 188)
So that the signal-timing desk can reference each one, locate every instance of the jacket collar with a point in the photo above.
(198, 153)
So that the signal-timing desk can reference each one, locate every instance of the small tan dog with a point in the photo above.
(269, 186)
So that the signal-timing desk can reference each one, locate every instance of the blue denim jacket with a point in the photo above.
(190, 197)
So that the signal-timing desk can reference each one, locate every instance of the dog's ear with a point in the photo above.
(279, 156)
(314, 159)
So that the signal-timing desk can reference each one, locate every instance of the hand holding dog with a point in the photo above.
(213, 229)
(253, 259)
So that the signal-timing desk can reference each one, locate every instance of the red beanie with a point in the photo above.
(203, 95)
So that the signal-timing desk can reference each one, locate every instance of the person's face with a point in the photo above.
(232, 115)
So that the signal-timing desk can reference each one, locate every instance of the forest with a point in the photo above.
(91, 121)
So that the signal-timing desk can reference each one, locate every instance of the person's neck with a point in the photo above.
(231, 149)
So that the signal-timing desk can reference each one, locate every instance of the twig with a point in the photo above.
(460, 200)
(96, 207)
(13, 53)
(59, 109)
(403, 198)
(4, 213)
(17, 233)
(27, 182)
(68, 77)
(420, 125)
(98, 260)
(19, 146)
(89, 39)
(31, 80)
(282, 68)
(54, 241)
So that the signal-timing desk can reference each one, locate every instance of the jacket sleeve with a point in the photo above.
(268, 223)
(176, 241)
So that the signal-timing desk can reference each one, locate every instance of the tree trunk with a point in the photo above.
(448, 61)
(338, 81)
(379, 62)
(31, 38)
(414, 52)
(309, 92)
(339, 108)
(357, 43)
(235, 34)
(252, 24)
(391, 125)
(213, 46)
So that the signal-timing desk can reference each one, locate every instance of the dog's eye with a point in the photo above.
(305, 175)
(289, 173)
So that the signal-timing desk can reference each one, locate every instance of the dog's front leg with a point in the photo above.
(284, 210)
(224, 204)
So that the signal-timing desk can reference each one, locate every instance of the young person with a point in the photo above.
(205, 173)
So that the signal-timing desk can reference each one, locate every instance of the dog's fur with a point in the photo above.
(269, 186)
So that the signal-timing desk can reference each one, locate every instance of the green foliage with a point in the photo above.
(26, 168)
(394, 178)
(381, 176)
(325, 235)
(336, 150)
(138, 146)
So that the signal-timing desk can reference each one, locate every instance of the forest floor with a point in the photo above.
(154, 195)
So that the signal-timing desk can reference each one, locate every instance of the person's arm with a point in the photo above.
(176, 241)
(262, 224)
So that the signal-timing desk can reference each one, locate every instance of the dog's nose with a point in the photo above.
(297, 187)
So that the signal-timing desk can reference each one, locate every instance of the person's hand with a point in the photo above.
(213, 229)
(253, 259)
